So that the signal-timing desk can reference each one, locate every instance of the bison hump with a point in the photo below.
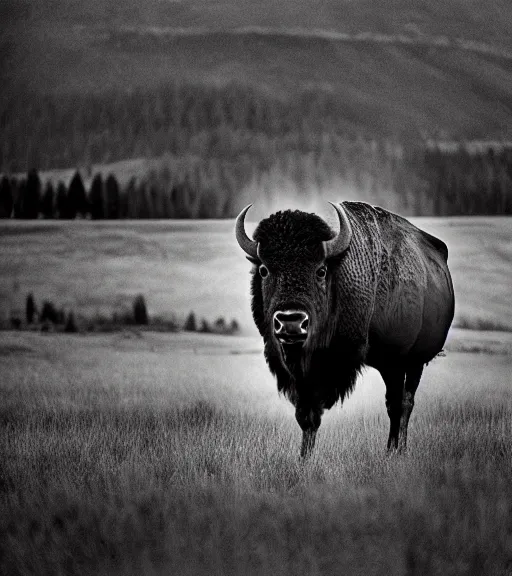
(389, 217)
(436, 243)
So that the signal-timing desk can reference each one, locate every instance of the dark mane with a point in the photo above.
(294, 232)
(330, 378)
(317, 371)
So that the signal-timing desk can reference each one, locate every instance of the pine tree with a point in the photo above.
(47, 201)
(49, 312)
(77, 199)
(97, 198)
(70, 325)
(220, 325)
(144, 209)
(132, 201)
(123, 205)
(62, 201)
(190, 323)
(18, 196)
(6, 198)
(140, 312)
(30, 309)
(112, 193)
(154, 195)
(32, 196)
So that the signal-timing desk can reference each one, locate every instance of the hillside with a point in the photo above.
(400, 66)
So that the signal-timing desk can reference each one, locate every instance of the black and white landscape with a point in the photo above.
(141, 431)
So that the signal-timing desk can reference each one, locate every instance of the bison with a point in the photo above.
(377, 293)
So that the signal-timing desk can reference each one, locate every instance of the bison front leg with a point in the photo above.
(308, 443)
(309, 419)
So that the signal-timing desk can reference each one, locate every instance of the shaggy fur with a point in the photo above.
(387, 301)
(291, 242)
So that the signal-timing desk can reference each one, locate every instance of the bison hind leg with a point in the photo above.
(394, 380)
(401, 385)
(412, 380)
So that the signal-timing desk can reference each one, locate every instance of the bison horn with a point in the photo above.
(249, 246)
(340, 243)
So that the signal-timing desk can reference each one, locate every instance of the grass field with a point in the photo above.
(172, 454)
(150, 454)
(186, 265)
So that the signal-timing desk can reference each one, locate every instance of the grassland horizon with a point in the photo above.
(94, 268)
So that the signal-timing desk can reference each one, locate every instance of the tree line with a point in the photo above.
(213, 150)
(47, 316)
(422, 181)
(105, 199)
(69, 129)
(26, 198)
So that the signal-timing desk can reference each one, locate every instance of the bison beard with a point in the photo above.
(314, 380)
(387, 302)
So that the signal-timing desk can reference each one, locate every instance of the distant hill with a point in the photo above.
(442, 69)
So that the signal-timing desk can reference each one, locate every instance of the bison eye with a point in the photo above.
(321, 273)
(263, 271)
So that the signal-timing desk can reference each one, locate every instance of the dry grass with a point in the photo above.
(156, 466)
(70, 262)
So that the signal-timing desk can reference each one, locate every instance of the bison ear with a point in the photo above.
(254, 261)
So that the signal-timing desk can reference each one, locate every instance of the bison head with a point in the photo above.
(293, 253)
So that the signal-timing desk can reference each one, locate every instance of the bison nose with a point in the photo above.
(291, 324)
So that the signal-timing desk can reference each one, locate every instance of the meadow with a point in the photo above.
(146, 453)
(173, 454)
(99, 267)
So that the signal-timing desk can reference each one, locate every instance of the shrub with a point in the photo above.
(71, 326)
(123, 317)
(166, 323)
(140, 312)
(234, 327)
(49, 313)
(220, 325)
(61, 316)
(30, 309)
(190, 323)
